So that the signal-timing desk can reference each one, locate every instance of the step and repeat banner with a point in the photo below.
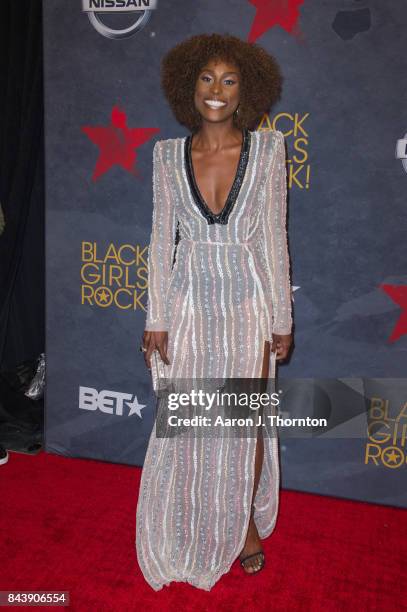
(344, 117)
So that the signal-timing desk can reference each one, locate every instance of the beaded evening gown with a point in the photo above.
(225, 292)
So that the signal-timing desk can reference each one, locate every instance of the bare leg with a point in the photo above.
(253, 542)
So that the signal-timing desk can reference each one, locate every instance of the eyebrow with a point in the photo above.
(209, 70)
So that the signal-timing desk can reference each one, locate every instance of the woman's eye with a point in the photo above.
(207, 78)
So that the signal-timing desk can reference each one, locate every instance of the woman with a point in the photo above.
(219, 311)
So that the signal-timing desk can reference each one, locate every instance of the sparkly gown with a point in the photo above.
(225, 292)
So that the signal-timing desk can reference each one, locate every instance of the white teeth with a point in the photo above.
(215, 103)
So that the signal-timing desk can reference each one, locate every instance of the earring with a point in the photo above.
(237, 111)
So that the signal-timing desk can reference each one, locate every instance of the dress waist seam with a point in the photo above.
(213, 242)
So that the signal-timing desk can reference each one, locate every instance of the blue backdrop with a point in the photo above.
(344, 116)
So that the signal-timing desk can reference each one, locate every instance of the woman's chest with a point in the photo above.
(214, 176)
(210, 193)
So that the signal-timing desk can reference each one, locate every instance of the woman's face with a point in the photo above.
(217, 91)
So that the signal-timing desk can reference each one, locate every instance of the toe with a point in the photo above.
(253, 565)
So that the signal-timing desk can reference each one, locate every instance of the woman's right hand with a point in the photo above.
(155, 340)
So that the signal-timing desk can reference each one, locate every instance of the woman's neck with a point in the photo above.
(214, 137)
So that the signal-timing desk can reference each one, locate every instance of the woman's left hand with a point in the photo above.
(281, 345)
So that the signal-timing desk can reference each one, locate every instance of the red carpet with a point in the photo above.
(68, 524)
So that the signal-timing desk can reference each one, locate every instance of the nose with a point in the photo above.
(216, 88)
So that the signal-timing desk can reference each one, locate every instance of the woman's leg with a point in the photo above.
(253, 542)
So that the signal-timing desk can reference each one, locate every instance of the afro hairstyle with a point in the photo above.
(261, 78)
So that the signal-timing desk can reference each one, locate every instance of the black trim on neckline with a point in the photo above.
(223, 216)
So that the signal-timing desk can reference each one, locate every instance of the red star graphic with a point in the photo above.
(398, 294)
(117, 143)
(270, 13)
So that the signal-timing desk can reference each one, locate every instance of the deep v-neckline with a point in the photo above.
(223, 215)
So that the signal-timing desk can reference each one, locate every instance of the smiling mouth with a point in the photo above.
(215, 103)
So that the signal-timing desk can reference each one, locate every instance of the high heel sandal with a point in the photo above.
(259, 554)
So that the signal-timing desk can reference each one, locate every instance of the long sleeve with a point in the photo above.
(162, 245)
(276, 243)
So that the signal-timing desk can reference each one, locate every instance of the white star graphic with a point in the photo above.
(135, 407)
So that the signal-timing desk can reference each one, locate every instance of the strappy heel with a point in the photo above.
(259, 554)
